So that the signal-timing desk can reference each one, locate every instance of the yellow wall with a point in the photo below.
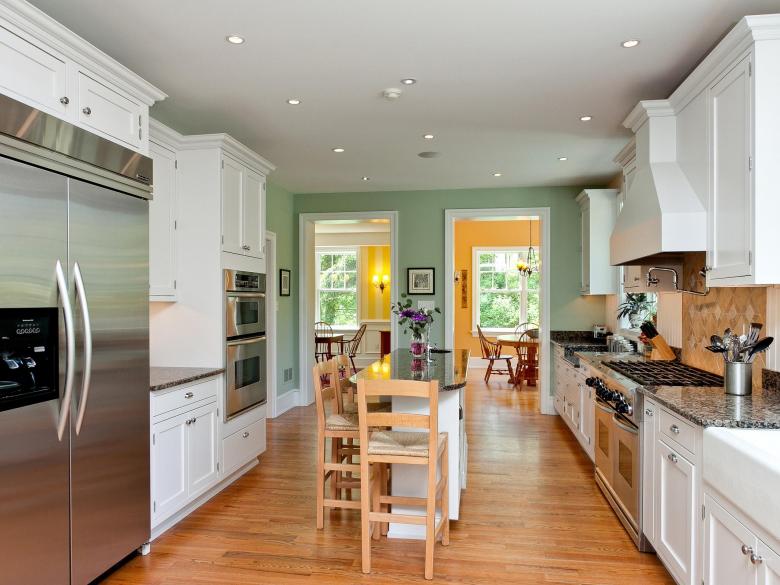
(483, 234)
(374, 260)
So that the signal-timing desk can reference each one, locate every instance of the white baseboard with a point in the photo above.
(286, 401)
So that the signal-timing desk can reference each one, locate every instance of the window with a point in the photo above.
(337, 292)
(502, 297)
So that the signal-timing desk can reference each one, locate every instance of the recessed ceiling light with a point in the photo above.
(366, 178)
(338, 149)
(409, 81)
(294, 102)
(496, 174)
(429, 154)
(563, 158)
(630, 43)
(235, 39)
(586, 118)
(428, 136)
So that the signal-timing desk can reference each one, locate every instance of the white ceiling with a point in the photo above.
(502, 83)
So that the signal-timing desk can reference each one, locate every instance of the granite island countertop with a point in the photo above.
(449, 369)
(168, 377)
(706, 406)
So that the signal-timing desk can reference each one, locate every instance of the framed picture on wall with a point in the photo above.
(284, 282)
(420, 281)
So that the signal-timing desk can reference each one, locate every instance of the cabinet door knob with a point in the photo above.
(672, 457)
(188, 422)
(87, 110)
(245, 434)
(64, 100)
(189, 395)
(675, 429)
(245, 247)
(648, 412)
(747, 550)
(755, 559)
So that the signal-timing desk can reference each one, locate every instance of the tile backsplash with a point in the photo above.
(734, 307)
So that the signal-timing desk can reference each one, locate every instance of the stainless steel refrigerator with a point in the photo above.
(74, 350)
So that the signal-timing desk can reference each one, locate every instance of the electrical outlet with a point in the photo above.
(426, 305)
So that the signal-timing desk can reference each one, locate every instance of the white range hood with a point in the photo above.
(662, 215)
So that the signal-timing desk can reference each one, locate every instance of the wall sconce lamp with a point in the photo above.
(380, 283)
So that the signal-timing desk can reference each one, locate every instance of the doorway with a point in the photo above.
(483, 249)
(347, 276)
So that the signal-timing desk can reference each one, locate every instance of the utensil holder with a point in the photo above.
(738, 378)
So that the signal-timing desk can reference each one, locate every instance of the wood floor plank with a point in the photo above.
(532, 515)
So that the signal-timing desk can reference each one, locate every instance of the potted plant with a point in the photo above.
(417, 322)
(637, 307)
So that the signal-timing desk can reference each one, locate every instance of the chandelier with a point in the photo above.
(531, 263)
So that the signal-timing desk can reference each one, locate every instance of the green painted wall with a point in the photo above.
(421, 238)
(281, 219)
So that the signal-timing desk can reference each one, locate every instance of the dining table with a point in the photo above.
(527, 368)
(337, 338)
(450, 369)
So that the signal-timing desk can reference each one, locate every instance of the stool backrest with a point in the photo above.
(344, 368)
(325, 376)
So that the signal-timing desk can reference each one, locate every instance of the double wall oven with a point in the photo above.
(245, 343)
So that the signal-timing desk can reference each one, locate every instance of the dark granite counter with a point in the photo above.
(162, 378)
(448, 368)
(710, 406)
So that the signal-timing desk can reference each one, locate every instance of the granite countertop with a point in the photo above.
(710, 406)
(448, 368)
(162, 378)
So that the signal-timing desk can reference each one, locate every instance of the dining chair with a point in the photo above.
(525, 327)
(491, 351)
(381, 448)
(527, 360)
(352, 346)
(323, 333)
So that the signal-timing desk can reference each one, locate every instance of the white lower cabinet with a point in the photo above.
(675, 517)
(169, 466)
(242, 446)
(202, 455)
(574, 401)
(733, 553)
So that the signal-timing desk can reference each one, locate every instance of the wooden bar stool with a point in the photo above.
(380, 448)
(348, 389)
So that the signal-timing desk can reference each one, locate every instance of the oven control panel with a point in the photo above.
(614, 398)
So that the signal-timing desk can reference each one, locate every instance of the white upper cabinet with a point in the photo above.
(233, 179)
(45, 65)
(598, 210)
(253, 215)
(163, 224)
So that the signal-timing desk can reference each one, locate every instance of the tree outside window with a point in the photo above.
(337, 293)
(504, 298)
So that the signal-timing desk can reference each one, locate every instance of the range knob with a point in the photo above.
(624, 408)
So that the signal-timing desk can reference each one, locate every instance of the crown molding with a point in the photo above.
(627, 154)
(32, 21)
(645, 110)
(159, 132)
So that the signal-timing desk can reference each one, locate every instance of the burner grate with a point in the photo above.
(663, 373)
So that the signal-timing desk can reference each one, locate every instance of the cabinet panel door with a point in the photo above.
(769, 569)
(725, 563)
(169, 467)
(648, 470)
(674, 521)
(585, 248)
(162, 218)
(109, 112)
(232, 194)
(252, 215)
(31, 74)
(730, 231)
(202, 450)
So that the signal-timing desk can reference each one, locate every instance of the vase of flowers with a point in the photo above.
(417, 322)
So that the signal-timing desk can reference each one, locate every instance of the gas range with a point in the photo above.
(663, 373)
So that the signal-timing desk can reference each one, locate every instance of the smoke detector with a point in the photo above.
(392, 93)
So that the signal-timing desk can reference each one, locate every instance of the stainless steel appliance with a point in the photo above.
(74, 350)
(245, 354)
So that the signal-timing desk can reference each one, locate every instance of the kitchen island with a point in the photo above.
(450, 369)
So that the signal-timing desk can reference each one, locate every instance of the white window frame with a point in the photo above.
(320, 250)
(475, 289)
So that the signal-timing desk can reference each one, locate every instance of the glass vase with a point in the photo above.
(418, 347)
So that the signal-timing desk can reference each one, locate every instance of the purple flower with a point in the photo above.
(420, 317)
(406, 313)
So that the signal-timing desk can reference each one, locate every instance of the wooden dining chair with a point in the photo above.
(351, 347)
(491, 351)
(527, 360)
(381, 448)
(322, 345)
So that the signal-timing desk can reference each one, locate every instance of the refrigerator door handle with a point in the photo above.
(70, 349)
(82, 295)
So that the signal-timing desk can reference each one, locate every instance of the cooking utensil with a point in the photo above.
(760, 347)
(716, 348)
(716, 340)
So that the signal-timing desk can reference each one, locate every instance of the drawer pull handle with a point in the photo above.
(245, 434)
(675, 429)
(755, 559)
(189, 421)
(672, 457)
(87, 110)
(747, 550)
(189, 395)
(648, 412)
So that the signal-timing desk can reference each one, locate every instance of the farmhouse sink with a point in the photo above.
(744, 466)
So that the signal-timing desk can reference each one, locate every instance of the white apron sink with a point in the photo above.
(744, 466)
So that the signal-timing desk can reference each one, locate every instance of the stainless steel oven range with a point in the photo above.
(245, 343)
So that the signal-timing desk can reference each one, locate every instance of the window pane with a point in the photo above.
(499, 280)
(499, 310)
(325, 261)
(352, 280)
(338, 308)
(486, 280)
(513, 280)
(350, 261)
(486, 260)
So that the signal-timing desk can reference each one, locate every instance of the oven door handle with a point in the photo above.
(607, 409)
(249, 341)
(245, 295)
(620, 425)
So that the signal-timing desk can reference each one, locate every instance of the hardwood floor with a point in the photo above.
(532, 514)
